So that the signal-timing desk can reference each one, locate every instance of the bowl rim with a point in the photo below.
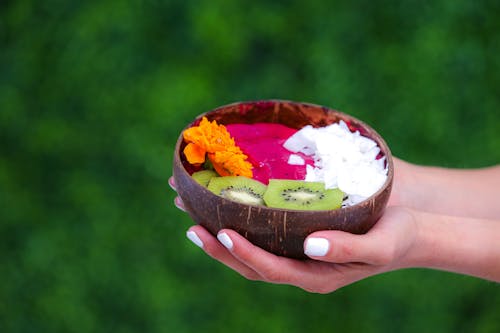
(379, 139)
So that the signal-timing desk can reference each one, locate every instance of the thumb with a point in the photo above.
(343, 247)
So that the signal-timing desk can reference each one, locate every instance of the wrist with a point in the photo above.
(456, 244)
(409, 180)
(426, 241)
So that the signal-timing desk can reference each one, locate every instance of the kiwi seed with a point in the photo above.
(301, 195)
(238, 188)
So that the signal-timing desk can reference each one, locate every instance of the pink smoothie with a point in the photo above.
(263, 144)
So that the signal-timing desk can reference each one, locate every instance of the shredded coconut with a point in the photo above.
(342, 159)
(295, 159)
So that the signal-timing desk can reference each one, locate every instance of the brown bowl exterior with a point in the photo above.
(279, 231)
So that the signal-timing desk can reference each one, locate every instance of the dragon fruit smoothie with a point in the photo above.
(263, 144)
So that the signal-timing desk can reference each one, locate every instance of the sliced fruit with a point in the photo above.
(203, 177)
(238, 188)
(301, 195)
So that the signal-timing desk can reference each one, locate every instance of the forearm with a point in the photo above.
(458, 192)
(456, 244)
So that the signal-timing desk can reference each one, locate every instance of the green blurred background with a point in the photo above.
(94, 94)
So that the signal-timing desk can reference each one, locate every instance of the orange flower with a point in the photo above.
(194, 153)
(213, 140)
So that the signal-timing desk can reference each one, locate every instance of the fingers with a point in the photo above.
(252, 262)
(202, 238)
(384, 245)
(270, 267)
(238, 253)
(171, 182)
(257, 259)
(343, 247)
(179, 204)
(177, 201)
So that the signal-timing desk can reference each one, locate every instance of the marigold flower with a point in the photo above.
(213, 140)
(194, 153)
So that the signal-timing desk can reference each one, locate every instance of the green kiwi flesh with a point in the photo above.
(203, 177)
(238, 188)
(301, 195)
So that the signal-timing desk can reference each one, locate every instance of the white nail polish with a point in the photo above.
(225, 240)
(193, 237)
(317, 247)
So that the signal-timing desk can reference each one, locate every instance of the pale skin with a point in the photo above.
(446, 219)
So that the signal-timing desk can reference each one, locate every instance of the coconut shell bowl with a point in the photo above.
(279, 231)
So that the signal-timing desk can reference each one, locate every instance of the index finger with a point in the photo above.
(273, 268)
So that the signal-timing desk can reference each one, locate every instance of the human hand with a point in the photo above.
(337, 258)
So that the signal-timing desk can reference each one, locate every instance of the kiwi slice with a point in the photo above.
(301, 195)
(203, 177)
(238, 188)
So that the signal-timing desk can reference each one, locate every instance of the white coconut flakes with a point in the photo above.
(342, 159)
(295, 159)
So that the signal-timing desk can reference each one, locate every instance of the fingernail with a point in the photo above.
(193, 237)
(225, 240)
(171, 182)
(179, 204)
(316, 247)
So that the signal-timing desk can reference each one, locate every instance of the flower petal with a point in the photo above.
(194, 153)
